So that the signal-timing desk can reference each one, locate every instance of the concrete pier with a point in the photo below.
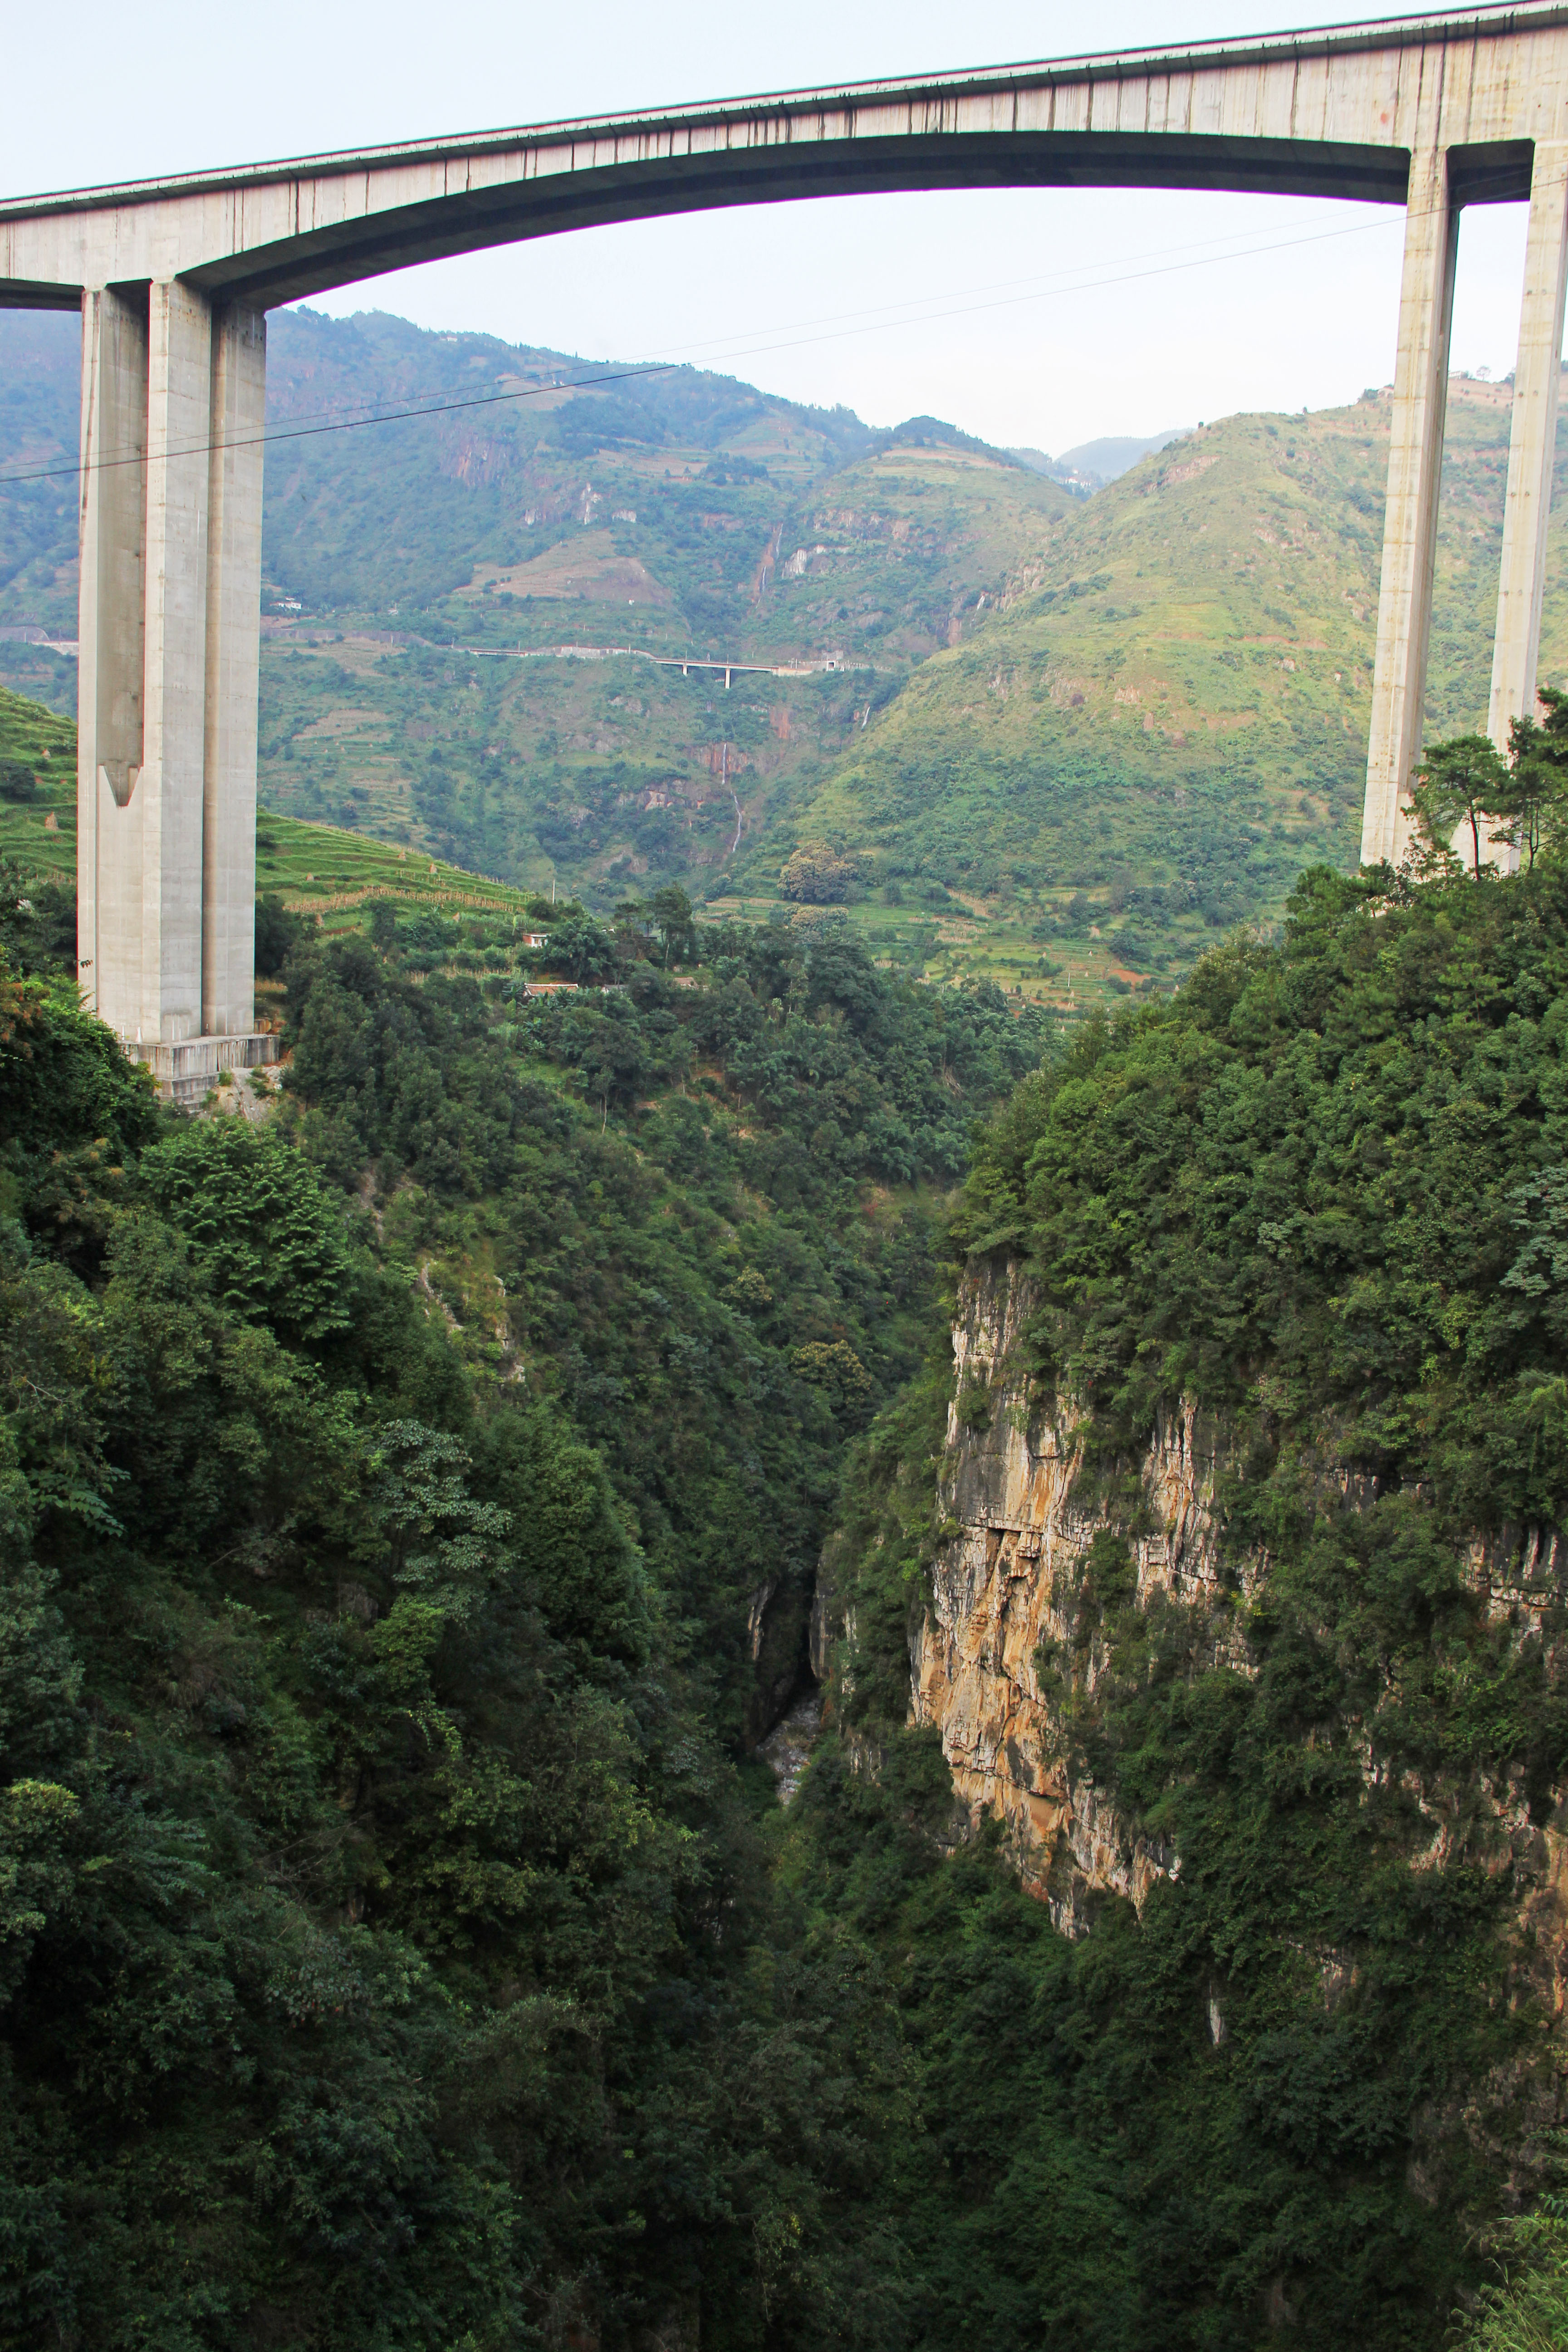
(1532, 443)
(1410, 516)
(233, 655)
(110, 632)
(173, 399)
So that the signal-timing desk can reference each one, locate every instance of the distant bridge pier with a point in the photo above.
(1532, 442)
(1414, 477)
(173, 390)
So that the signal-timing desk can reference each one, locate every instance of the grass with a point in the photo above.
(46, 741)
(316, 870)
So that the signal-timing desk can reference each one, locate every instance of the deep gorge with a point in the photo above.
(423, 1498)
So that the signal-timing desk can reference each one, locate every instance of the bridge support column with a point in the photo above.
(1410, 522)
(171, 553)
(179, 411)
(233, 656)
(1532, 442)
(112, 517)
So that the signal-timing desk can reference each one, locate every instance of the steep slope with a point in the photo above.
(521, 493)
(607, 770)
(408, 1499)
(326, 872)
(675, 512)
(1167, 717)
(1208, 1604)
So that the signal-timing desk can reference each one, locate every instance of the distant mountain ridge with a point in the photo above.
(1094, 463)
(1111, 724)
(1107, 460)
(670, 511)
(468, 471)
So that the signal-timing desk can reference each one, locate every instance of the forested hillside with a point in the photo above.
(1264, 1291)
(410, 1492)
(425, 1486)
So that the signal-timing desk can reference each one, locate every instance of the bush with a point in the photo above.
(818, 877)
(1527, 2310)
(257, 1219)
(278, 934)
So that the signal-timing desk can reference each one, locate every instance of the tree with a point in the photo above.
(631, 930)
(675, 922)
(1458, 783)
(278, 934)
(260, 1224)
(584, 949)
(1537, 773)
(817, 876)
(383, 927)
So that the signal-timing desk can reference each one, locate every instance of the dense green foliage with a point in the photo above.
(386, 1945)
(409, 1508)
(646, 1282)
(1319, 1196)
(1525, 2308)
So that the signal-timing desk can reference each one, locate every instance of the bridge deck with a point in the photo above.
(1333, 112)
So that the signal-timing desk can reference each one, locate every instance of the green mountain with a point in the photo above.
(1060, 740)
(1165, 719)
(677, 513)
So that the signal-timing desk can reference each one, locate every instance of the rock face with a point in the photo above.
(1003, 1584)
(778, 1628)
(998, 1588)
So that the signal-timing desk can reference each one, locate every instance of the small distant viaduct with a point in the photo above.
(173, 278)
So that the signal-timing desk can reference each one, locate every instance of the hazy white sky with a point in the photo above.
(1038, 316)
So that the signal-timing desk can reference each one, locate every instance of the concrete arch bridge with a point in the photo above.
(173, 278)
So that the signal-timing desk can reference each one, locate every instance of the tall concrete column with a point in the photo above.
(233, 658)
(179, 415)
(1410, 523)
(1532, 443)
(110, 627)
(169, 626)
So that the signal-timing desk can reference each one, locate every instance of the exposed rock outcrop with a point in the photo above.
(1018, 1532)
(999, 1583)
(777, 1629)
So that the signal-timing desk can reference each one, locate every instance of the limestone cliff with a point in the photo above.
(1017, 1531)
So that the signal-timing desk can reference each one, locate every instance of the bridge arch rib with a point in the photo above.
(173, 277)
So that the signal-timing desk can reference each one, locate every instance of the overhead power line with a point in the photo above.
(319, 422)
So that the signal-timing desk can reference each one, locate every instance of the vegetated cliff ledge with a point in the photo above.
(1200, 1687)
(1003, 1664)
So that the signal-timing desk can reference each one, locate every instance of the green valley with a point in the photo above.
(785, 1567)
